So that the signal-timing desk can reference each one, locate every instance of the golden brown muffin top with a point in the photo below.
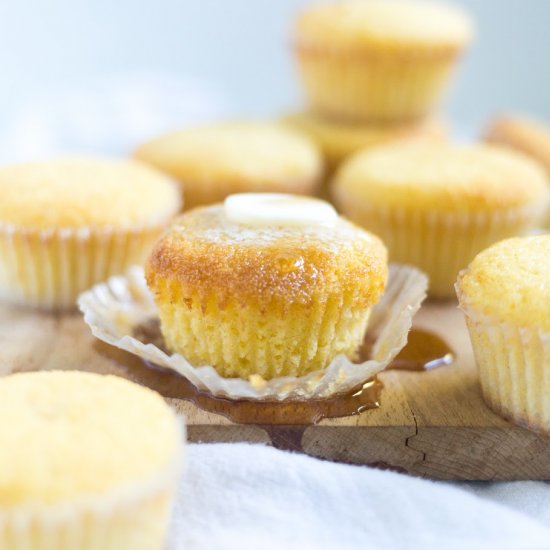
(206, 253)
(256, 153)
(82, 192)
(68, 435)
(510, 282)
(410, 26)
(524, 134)
(443, 177)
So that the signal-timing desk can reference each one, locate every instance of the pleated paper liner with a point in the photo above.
(441, 243)
(122, 307)
(49, 268)
(371, 86)
(513, 363)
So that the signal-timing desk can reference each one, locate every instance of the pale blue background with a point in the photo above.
(240, 48)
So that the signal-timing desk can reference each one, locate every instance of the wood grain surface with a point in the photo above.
(432, 424)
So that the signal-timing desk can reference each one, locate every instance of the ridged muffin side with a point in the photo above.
(268, 301)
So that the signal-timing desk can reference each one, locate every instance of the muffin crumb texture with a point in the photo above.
(389, 23)
(81, 192)
(510, 282)
(442, 177)
(68, 436)
(211, 162)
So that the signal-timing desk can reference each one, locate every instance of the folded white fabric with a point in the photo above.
(251, 496)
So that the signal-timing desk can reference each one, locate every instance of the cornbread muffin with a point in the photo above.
(522, 134)
(378, 60)
(437, 205)
(267, 284)
(338, 140)
(87, 462)
(212, 162)
(505, 294)
(66, 224)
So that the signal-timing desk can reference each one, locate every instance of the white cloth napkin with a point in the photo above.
(245, 496)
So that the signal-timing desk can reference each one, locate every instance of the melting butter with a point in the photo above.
(264, 209)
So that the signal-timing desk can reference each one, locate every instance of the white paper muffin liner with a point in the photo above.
(440, 243)
(49, 268)
(136, 514)
(514, 368)
(115, 308)
(372, 85)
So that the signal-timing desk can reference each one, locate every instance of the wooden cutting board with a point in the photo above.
(432, 424)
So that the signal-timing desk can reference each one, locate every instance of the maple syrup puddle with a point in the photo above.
(424, 351)
(285, 420)
(244, 411)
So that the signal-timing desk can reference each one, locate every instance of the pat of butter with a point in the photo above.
(279, 209)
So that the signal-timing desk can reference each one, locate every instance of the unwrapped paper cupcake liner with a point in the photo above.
(373, 87)
(116, 308)
(49, 268)
(514, 368)
(135, 516)
(440, 243)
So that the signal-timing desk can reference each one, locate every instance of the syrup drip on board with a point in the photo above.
(245, 411)
(285, 421)
(424, 351)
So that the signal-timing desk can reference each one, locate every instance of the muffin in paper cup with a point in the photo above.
(378, 60)
(437, 205)
(265, 284)
(67, 224)
(504, 294)
(266, 295)
(101, 461)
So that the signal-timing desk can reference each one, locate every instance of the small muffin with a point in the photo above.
(378, 60)
(212, 162)
(88, 462)
(69, 223)
(505, 294)
(437, 205)
(522, 134)
(266, 284)
(338, 140)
